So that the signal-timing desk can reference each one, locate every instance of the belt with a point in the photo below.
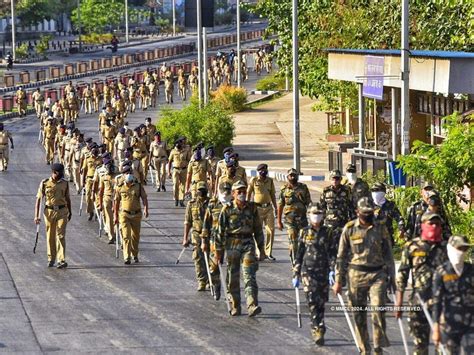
(90, 177)
(241, 236)
(132, 212)
(179, 168)
(263, 205)
(156, 156)
(67, 150)
(365, 268)
(55, 208)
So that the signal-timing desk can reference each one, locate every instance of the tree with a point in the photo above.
(97, 15)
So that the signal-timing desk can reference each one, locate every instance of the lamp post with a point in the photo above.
(13, 29)
(239, 65)
(126, 21)
(296, 98)
(405, 97)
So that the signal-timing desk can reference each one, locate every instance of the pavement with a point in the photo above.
(99, 305)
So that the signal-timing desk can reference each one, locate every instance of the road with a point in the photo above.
(100, 305)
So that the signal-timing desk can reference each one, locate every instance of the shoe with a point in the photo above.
(235, 312)
(135, 259)
(181, 203)
(202, 286)
(158, 189)
(50, 263)
(62, 265)
(91, 215)
(378, 351)
(127, 261)
(217, 294)
(163, 187)
(112, 241)
(254, 310)
(5, 168)
(48, 163)
(271, 257)
(318, 335)
(176, 203)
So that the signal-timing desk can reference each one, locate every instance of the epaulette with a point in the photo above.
(350, 224)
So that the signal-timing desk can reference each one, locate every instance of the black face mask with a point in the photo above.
(179, 146)
(263, 173)
(202, 193)
(367, 218)
(293, 179)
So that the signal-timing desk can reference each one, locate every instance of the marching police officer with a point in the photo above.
(57, 212)
(158, 159)
(199, 170)
(179, 159)
(5, 136)
(359, 188)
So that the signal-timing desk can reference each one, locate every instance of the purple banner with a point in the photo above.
(373, 84)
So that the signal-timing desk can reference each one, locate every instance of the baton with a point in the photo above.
(82, 202)
(180, 255)
(36, 240)
(152, 177)
(211, 286)
(298, 308)
(349, 323)
(117, 241)
(404, 339)
(429, 319)
(224, 283)
(98, 219)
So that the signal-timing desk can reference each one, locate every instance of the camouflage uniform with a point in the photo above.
(194, 217)
(294, 200)
(358, 190)
(421, 258)
(239, 231)
(365, 256)
(413, 226)
(314, 260)
(453, 299)
(386, 213)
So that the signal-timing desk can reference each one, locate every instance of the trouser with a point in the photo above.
(241, 253)
(49, 148)
(133, 105)
(4, 155)
(372, 285)
(66, 116)
(153, 99)
(179, 181)
(130, 230)
(67, 164)
(38, 108)
(76, 175)
(74, 114)
(89, 195)
(120, 158)
(55, 223)
(458, 333)
(107, 204)
(198, 258)
(293, 227)
(267, 220)
(145, 161)
(109, 143)
(169, 95)
(214, 268)
(87, 105)
(95, 103)
(144, 102)
(419, 327)
(22, 108)
(160, 171)
(316, 288)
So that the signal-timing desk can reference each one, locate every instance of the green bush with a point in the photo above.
(21, 52)
(230, 98)
(42, 45)
(271, 83)
(210, 125)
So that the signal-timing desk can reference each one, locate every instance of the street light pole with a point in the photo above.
(204, 65)
(199, 39)
(126, 21)
(13, 30)
(405, 97)
(296, 98)
(79, 23)
(239, 65)
(174, 17)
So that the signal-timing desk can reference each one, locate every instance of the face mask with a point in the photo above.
(198, 155)
(202, 193)
(293, 179)
(351, 177)
(226, 156)
(378, 197)
(126, 127)
(263, 173)
(456, 257)
(315, 218)
(129, 178)
(224, 197)
(431, 232)
(210, 153)
(367, 218)
(241, 197)
(147, 123)
(179, 146)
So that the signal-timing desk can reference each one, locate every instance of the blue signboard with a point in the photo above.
(373, 84)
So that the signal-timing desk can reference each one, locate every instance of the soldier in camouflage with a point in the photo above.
(365, 258)
(292, 203)
(453, 299)
(386, 211)
(210, 230)
(359, 188)
(421, 256)
(314, 263)
(336, 202)
(239, 232)
(435, 206)
(194, 218)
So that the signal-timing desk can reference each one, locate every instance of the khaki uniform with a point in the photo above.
(121, 143)
(109, 134)
(179, 159)
(106, 188)
(198, 170)
(58, 145)
(95, 98)
(4, 148)
(56, 195)
(21, 102)
(365, 258)
(90, 164)
(107, 94)
(138, 170)
(169, 88)
(48, 141)
(73, 104)
(76, 163)
(140, 151)
(67, 151)
(144, 96)
(264, 190)
(38, 101)
(130, 216)
(132, 98)
(64, 110)
(159, 159)
(87, 96)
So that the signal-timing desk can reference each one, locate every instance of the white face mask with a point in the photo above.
(352, 177)
(378, 197)
(456, 257)
(224, 198)
(241, 197)
(316, 218)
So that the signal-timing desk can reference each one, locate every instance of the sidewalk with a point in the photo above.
(265, 134)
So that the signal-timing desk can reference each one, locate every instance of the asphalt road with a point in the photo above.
(100, 305)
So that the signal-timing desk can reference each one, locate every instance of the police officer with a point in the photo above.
(314, 264)
(57, 212)
(264, 189)
(87, 95)
(90, 164)
(194, 219)
(210, 230)
(359, 188)
(128, 212)
(38, 101)
(121, 144)
(365, 259)
(337, 204)
(48, 139)
(213, 160)
(177, 168)
(222, 165)
(436, 206)
(158, 159)
(292, 203)
(453, 299)
(5, 136)
(421, 256)
(386, 211)
(199, 170)
(21, 101)
(239, 231)
(105, 194)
